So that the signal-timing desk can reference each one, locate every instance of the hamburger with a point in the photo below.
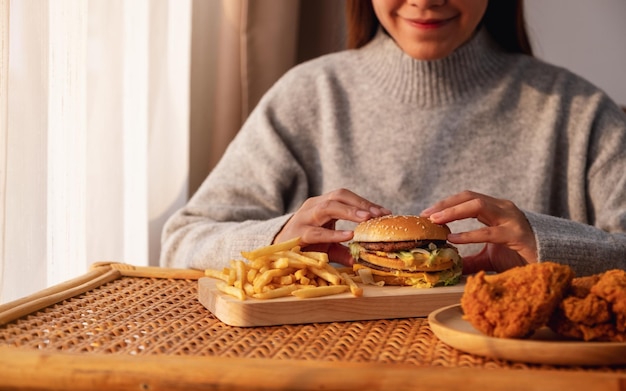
(406, 250)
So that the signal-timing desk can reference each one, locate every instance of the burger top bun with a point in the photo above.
(394, 228)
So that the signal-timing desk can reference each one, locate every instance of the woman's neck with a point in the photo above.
(432, 83)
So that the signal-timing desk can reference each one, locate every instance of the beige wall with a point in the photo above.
(587, 37)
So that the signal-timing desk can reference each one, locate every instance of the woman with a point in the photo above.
(438, 97)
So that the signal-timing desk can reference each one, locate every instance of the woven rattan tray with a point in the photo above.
(143, 328)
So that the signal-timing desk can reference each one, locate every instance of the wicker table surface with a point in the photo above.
(121, 316)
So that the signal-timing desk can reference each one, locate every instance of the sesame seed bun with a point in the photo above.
(394, 228)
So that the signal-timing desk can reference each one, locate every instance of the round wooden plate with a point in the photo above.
(544, 347)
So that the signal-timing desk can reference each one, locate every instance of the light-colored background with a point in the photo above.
(588, 37)
(109, 109)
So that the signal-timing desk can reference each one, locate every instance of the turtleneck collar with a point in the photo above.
(432, 82)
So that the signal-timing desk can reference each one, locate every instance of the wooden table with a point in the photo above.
(121, 327)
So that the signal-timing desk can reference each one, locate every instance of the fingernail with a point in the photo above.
(427, 212)
(452, 237)
(362, 213)
(436, 216)
(379, 211)
(346, 234)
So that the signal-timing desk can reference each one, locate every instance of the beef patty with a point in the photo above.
(400, 246)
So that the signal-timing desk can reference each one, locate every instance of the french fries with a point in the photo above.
(271, 249)
(231, 290)
(319, 291)
(281, 270)
(354, 288)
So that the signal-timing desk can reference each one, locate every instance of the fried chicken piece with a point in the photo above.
(612, 288)
(581, 307)
(588, 310)
(516, 302)
(602, 332)
(581, 286)
(594, 308)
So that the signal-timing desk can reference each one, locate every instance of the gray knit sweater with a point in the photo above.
(406, 133)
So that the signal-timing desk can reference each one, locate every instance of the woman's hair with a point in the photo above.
(503, 19)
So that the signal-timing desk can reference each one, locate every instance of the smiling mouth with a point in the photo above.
(428, 24)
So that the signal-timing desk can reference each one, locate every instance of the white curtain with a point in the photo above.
(4, 124)
(108, 122)
(94, 133)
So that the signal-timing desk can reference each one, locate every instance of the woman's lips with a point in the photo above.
(429, 24)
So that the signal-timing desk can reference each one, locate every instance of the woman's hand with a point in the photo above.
(315, 222)
(508, 237)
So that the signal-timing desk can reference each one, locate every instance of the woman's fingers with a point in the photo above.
(313, 234)
(342, 204)
(490, 234)
(505, 225)
(488, 210)
(315, 221)
(449, 202)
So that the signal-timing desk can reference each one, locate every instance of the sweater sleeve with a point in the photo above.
(585, 248)
(246, 199)
(599, 243)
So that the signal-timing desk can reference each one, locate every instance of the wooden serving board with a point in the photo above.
(387, 302)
